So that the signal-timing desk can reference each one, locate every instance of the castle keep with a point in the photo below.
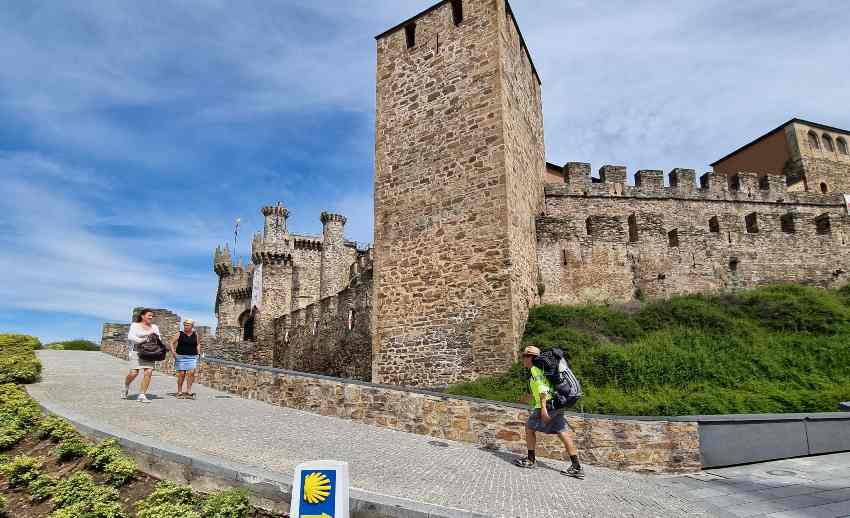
(472, 226)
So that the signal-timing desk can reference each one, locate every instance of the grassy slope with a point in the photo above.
(774, 349)
(73, 345)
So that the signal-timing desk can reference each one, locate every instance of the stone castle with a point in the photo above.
(473, 226)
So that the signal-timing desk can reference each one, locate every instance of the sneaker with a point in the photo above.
(143, 399)
(572, 471)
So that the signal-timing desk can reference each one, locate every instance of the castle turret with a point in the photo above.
(275, 222)
(334, 272)
(222, 262)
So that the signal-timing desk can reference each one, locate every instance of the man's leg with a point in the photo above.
(531, 443)
(569, 444)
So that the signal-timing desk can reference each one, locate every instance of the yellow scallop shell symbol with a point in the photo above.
(317, 487)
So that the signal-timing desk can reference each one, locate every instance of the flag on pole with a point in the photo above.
(236, 227)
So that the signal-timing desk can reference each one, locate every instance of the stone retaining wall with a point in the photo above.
(627, 444)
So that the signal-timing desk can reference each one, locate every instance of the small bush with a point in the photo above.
(18, 363)
(41, 487)
(55, 427)
(72, 447)
(80, 488)
(120, 470)
(90, 509)
(168, 499)
(232, 503)
(73, 345)
(2, 505)
(21, 470)
(103, 453)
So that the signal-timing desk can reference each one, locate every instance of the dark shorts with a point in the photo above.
(557, 424)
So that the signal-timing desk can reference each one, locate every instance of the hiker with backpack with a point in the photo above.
(554, 388)
(144, 349)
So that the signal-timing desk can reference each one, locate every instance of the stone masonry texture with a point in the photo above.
(631, 445)
(458, 176)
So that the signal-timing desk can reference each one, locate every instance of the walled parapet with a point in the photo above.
(222, 261)
(682, 181)
(742, 186)
(331, 336)
(577, 176)
(273, 252)
(649, 180)
(303, 243)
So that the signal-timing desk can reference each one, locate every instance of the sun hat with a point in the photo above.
(531, 351)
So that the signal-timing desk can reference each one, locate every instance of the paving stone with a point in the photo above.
(385, 462)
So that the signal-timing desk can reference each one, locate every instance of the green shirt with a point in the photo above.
(538, 384)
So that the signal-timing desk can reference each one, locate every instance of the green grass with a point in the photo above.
(73, 345)
(782, 348)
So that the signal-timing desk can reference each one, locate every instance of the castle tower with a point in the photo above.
(272, 287)
(274, 228)
(458, 182)
(334, 273)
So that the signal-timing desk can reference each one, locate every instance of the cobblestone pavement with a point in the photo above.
(398, 464)
(816, 487)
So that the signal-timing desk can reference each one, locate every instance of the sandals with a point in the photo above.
(525, 463)
(185, 395)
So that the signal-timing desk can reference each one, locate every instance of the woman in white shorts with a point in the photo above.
(140, 330)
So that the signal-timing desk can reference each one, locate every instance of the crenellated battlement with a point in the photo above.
(306, 243)
(744, 186)
(327, 217)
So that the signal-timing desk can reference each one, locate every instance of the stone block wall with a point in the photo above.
(603, 242)
(331, 337)
(635, 445)
(458, 169)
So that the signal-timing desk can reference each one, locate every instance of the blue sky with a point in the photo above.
(132, 134)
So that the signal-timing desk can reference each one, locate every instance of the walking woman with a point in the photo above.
(140, 330)
(186, 358)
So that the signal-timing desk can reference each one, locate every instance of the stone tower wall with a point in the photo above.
(818, 165)
(525, 164)
(335, 260)
(448, 300)
(306, 271)
(608, 241)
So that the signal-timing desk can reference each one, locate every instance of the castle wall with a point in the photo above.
(306, 272)
(326, 338)
(590, 251)
(444, 235)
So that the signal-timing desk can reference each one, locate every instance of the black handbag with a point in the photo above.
(152, 349)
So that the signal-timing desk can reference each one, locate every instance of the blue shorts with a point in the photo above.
(185, 362)
(556, 424)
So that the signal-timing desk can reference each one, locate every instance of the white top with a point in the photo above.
(138, 334)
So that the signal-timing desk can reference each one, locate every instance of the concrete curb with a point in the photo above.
(269, 490)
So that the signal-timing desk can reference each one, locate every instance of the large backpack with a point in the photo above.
(558, 373)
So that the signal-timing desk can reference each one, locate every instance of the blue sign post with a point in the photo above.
(320, 490)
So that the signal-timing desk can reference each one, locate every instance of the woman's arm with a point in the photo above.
(174, 343)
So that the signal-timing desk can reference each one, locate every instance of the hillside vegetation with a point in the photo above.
(73, 345)
(780, 348)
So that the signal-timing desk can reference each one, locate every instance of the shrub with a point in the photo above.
(18, 363)
(103, 453)
(120, 470)
(72, 447)
(21, 470)
(2, 505)
(80, 488)
(56, 428)
(90, 509)
(168, 499)
(41, 487)
(232, 503)
(73, 345)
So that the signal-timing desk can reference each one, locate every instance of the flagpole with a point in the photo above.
(236, 239)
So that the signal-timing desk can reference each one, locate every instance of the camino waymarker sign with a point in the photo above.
(320, 490)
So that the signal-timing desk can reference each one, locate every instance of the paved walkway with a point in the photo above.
(402, 465)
